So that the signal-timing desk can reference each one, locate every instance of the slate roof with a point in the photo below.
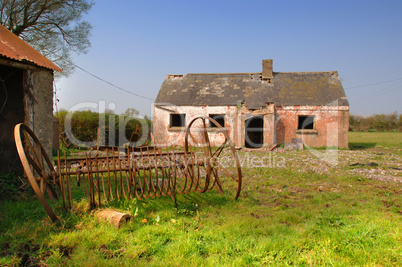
(226, 89)
(12, 47)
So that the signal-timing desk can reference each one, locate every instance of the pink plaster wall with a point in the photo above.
(164, 135)
(331, 125)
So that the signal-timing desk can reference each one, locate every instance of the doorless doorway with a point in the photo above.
(254, 135)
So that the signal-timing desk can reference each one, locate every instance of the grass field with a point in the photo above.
(303, 213)
(372, 139)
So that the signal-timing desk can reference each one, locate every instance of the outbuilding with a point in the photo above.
(26, 95)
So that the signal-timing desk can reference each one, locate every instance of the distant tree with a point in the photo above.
(53, 27)
(109, 111)
(393, 121)
(353, 123)
(131, 112)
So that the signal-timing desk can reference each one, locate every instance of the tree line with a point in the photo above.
(114, 130)
(376, 123)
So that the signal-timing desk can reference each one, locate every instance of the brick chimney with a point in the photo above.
(267, 72)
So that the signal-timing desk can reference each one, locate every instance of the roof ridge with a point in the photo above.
(224, 73)
(256, 73)
(305, 72)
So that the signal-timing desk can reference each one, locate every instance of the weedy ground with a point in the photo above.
(310, 207)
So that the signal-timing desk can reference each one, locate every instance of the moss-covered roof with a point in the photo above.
(226, 89)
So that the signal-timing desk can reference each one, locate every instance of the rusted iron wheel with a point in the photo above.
(217, 157)
(37, 166)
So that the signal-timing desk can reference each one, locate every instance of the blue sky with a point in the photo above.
(136, 43)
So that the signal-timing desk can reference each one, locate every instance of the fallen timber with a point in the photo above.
(141, 173)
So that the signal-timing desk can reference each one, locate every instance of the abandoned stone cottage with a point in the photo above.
(26, 95)
(258, 109)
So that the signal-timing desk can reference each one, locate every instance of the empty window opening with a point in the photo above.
(220, 118)
(306, 123)
(177, 120)
(254, 137)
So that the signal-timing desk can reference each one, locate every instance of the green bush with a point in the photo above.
(85, 124)
(376, 123)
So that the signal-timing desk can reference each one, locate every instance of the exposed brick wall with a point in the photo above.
(343, 132)
(331, 125)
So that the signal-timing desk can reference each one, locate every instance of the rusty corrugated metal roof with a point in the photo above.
(12, 47)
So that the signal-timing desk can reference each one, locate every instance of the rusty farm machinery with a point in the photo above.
(138, 172)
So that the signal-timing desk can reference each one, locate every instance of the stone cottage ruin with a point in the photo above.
(258, 109)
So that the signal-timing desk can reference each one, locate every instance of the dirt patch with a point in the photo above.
(25, 253)
(295, 190)
(370, 164)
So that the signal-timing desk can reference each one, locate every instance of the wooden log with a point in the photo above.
(116, 218)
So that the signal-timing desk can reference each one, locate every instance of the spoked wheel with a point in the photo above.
(208, 143)
(37, 166)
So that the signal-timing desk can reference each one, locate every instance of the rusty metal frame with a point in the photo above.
(141, 173)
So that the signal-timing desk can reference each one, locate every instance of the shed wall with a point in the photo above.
(25, 96)
(42, 82)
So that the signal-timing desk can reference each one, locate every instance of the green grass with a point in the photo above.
(283, 217)
(363, 140)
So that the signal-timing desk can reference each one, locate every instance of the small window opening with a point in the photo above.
(177, 120)
(220, 118)
(306, 123)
